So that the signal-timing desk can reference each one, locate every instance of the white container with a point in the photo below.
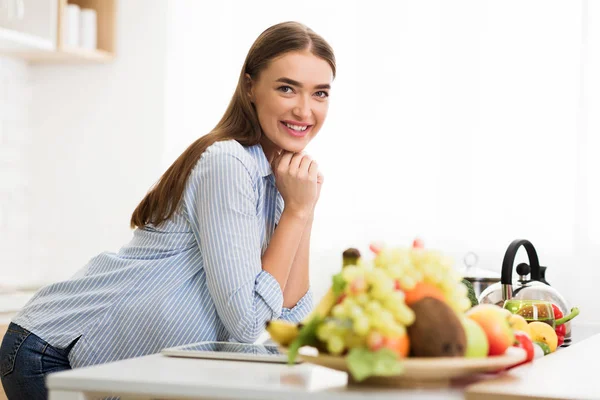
(71, 26)
(88, 29)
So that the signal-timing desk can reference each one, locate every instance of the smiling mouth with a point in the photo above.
(297, 130)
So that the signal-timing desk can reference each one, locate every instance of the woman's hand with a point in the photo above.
(320, 180)
(297, 179)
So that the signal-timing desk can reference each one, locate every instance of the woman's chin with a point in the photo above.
(294, 146)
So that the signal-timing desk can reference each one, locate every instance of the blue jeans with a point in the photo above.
(26, 360)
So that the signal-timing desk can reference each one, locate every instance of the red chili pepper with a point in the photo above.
(561, 331)
(376, 248)
(557, 313)
(523, 341)
(559, 328)
(560, 320)
(418, 243)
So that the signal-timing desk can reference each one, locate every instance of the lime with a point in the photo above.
(544, 347)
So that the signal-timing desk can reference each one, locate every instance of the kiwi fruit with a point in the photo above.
(437, 330)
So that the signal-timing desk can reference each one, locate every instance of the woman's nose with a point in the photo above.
(302, 109)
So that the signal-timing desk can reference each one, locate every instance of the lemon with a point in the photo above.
(518, 323)
(542, 332)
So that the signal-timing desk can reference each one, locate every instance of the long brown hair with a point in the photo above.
(239, 122)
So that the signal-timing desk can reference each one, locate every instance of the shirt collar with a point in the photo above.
(257, 153)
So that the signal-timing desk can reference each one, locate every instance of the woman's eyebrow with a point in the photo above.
(296, 83)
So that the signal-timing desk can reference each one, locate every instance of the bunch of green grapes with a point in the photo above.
(412, 265)
(371, 302)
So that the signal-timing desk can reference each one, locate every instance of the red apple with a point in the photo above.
(494, 322)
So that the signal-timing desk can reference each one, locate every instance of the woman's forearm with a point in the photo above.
(281, 252)
(298, 279)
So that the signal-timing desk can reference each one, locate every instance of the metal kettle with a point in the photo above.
(531, 284)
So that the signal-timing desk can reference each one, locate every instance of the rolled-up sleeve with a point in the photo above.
(302, 308)
(227, 228)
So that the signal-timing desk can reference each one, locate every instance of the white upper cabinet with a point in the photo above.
(28, 25)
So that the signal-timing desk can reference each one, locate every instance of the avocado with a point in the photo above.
(437, 330)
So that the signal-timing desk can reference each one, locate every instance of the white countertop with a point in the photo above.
(160, 376)
(566, 374)
(180, 378)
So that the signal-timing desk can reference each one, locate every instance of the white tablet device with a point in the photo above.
(229, 351)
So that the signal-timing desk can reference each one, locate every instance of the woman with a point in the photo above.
(222, 240)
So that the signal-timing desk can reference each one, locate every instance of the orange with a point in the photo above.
(399, 344)
(421, 290)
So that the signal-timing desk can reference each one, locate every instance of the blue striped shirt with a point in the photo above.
(198, 276)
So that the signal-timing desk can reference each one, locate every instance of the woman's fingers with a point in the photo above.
(283, 165)
(295, 164)
(320, 177)
(304, 167)
(313, 171)
(298, 165)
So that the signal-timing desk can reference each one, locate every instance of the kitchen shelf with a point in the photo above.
(68, 55)
(11, 40)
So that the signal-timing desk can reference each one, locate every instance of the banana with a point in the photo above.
(323, 308)
(283, 332)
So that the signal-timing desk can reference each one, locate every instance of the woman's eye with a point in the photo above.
(322, 94)
(285, 89)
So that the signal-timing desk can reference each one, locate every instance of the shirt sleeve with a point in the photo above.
(227, 228)
(302, 308)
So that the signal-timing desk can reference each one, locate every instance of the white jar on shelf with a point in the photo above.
(88, 35)
(71, 26)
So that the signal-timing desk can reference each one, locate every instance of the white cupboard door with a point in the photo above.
(28, 24)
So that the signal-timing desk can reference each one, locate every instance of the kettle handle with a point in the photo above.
(509, 260)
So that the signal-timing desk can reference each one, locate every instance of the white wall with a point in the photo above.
(96, 147)
(464, 123)
(460, 122)
(15, 160)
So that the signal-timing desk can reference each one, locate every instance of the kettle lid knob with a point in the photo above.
(523, 269)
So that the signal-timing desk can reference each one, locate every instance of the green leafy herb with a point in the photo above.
(307, 336)
(364, 363)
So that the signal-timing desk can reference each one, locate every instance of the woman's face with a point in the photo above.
(291, 97)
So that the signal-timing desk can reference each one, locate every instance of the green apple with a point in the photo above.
(494, 322)
(477, 341)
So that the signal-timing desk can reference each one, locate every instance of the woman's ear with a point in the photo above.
(249, 86)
